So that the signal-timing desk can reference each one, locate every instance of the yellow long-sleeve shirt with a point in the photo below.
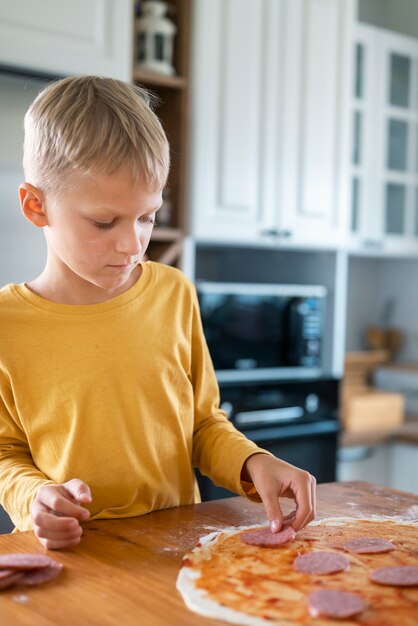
(120, 394)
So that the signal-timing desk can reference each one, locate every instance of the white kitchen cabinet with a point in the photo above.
(384, 156)
(60, 38)
(393, 464)
(404, 467)
(367, 463)
(270, 90)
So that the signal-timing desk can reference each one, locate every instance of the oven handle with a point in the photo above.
(267, 416)
(294, 431)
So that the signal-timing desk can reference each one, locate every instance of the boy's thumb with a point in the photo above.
(78, 490)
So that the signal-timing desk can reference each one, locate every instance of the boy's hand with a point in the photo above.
(56, 512)
(273, 478)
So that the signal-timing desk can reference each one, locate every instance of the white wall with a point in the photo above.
(363, 299)
(371, 284)
(22, 249)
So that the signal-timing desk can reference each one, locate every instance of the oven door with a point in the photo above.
(310, 446)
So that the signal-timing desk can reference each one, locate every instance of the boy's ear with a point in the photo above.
(32, 204)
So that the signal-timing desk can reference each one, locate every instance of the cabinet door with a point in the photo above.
(365, 216)
(384, 157)
(363, 463)
(269, 136)
(77, 37)
(404, 467)
(227, 111)
(397, 173)
(315, 93)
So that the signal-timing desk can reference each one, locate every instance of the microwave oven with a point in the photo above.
(263, 331)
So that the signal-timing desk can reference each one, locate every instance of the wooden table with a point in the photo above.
(124, 571)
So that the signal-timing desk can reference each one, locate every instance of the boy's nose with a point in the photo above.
(129, 242)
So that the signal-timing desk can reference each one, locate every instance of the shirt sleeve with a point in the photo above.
(219, 449)
(19, 477)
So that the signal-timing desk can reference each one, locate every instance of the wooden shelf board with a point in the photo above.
(166, 234)
(148, 78)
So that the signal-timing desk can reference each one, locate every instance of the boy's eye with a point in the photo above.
(103, 225)
(143, 220)
(147, 220)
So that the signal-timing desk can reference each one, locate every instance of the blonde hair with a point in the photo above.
(90, 124)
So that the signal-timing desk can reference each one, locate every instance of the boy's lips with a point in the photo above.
(122, 266)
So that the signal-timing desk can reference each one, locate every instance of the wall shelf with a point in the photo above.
(166, 244)
(159, 80)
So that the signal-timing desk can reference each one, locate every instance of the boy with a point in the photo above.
(107, 393)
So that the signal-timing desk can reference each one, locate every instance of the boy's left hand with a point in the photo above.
(272, 478)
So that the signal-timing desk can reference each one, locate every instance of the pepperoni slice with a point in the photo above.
(264, 538)
(10, 580)
(42, 575)
(21, 561)
(335, 604)
(398, 576)
(369, 545)
(321, 563)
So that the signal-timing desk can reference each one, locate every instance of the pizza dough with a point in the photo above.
(226, 579)
(321, 563)
(264, 538)
(337, 604)
(401, 576)
(369, 545)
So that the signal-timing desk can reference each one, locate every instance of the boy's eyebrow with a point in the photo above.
(111, 210)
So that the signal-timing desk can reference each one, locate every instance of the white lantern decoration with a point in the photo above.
(155, 35)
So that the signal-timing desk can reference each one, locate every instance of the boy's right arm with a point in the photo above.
(27, 494)
(57, 511)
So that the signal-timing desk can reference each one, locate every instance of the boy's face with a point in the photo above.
(97, 233)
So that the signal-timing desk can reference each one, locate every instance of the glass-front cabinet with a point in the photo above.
(384, 146)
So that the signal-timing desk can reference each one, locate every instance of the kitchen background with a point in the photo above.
(294, 133)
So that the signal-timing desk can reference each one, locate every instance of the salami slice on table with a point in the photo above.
(20, 561)
(11, 579)
(321, 563)
(369, 545)
(398, 576)
(264, 538)
(335, 604)
(41, 575)
(27, 569)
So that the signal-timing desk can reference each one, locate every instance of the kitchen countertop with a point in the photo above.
(406, 433)
(124, 571)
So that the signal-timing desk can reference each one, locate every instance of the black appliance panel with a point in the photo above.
(249, 331)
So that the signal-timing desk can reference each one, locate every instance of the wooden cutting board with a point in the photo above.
(124, 571)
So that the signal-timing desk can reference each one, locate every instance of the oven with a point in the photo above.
(296, 420)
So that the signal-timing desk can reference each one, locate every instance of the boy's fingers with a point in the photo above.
(273, 510)
(78, 490)
(289, 517)
(305, 504)
(60, 504)
(54, 544)
(57, 535)
(313, 491)
(54, 523)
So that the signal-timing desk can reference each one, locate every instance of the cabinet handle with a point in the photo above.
(374, 244)
(270, 232)
(273, 232)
